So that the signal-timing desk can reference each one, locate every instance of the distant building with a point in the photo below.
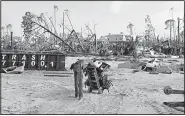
(114, 38)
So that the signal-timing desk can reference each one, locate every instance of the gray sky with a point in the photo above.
(112, 17)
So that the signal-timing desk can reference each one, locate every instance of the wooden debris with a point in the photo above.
(174, 104)
(14, 70)
(59, 73)
(55, 75)
(153, 72)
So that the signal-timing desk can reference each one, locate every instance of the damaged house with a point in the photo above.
(117, 43)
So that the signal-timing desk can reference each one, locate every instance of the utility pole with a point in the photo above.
(11, 40)
(95, 37)
(170, 33)
(63, 25)
(7, 30)
(144, 40)
(55, 10)
(54, 23)
(171, 25)
(178, 29)
(54, 17)
(63, 35)
(81, 31)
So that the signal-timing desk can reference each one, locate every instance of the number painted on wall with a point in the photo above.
(42, 63)
(3, 62)
(23, 63)
(52, 64)
(33, 63)
(13, 63)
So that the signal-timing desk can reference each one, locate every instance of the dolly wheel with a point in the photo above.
(100, 90)
(168, 90)
(89, 89)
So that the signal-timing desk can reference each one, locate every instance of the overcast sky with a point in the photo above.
(112, 17)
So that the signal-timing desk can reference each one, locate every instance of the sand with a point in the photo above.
(133, 93)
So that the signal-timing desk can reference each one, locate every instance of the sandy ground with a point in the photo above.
(132, 93)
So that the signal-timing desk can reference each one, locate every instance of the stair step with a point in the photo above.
(94, 81)
(90, 68)
(95, 88)
(94, 85)
(93, 78)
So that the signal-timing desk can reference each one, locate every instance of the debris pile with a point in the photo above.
(155, 66)
(13, 70)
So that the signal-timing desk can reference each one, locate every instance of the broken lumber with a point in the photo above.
(14, 70)
(174, 104)
(55, 75)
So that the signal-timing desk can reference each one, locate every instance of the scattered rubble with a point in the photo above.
(131, 93)
(13, 70)
(155, 66)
